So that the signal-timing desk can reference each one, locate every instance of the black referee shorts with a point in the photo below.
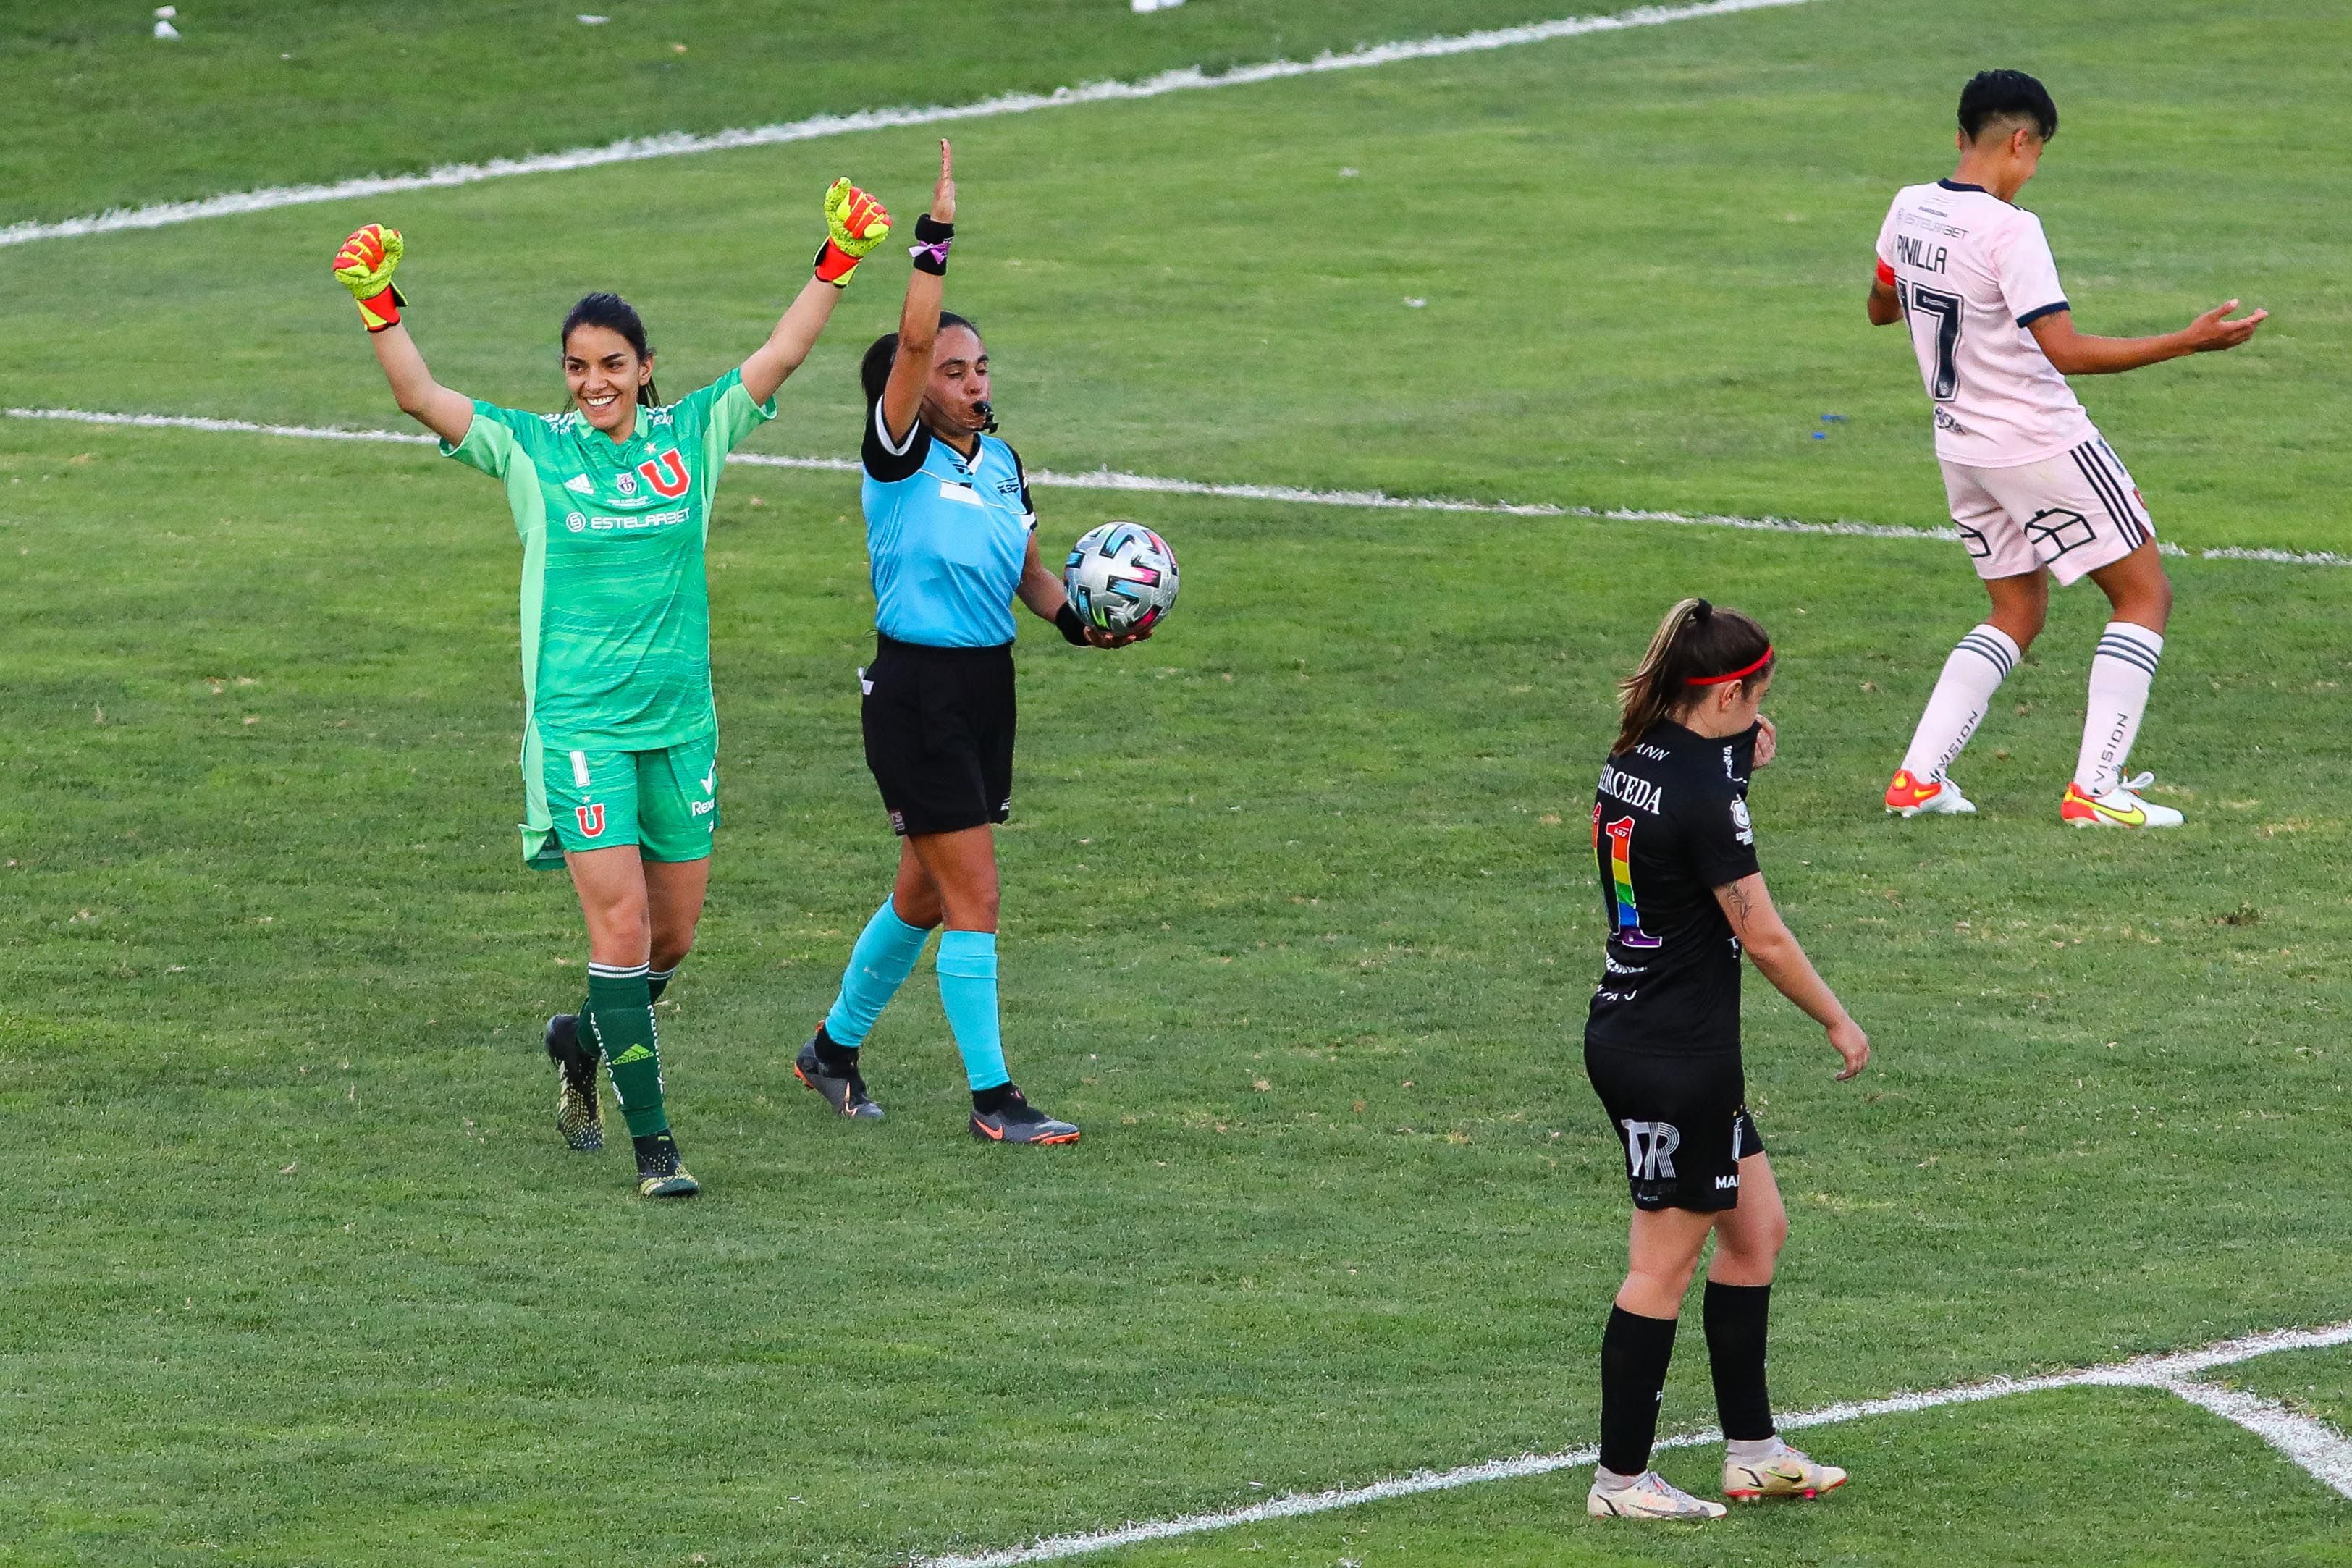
(1681, 1121)
(939, 734)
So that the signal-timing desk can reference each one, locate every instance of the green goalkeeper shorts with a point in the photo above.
(666, 803)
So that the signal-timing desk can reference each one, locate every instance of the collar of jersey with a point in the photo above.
(1955, 185)
(1667, 733)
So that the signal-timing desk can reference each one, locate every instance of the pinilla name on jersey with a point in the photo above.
(1639, 793)
(1919, 253)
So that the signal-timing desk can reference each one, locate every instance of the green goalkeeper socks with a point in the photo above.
(620, 1015)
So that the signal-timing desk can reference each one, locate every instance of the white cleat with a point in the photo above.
(1787, 1474)
(2119, 807)
(1906, 797)
(1651, 1496)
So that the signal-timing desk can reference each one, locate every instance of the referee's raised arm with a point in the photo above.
(918, 321)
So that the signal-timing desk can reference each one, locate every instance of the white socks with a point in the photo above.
(1753, 1451)
(2121, 673)
(1974, 672)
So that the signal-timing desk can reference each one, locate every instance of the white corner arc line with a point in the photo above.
(2312, 1443)
(680, 143)
(2169, 1373)
(1147, 484)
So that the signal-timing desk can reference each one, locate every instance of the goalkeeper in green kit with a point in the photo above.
(611, 497)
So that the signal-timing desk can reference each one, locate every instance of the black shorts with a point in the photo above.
(1681, 1121)
(939, 734)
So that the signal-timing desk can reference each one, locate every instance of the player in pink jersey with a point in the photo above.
(2035, 490)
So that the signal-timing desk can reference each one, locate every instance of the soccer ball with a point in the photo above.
(1122, 578)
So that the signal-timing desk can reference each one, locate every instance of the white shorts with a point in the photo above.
(2073, 513)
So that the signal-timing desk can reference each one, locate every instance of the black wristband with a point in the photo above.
(1073, 624)
(931, 251)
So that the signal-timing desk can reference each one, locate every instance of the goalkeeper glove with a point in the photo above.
(365, 266)
(854, 224)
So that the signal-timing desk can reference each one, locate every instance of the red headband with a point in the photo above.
(1742, 673)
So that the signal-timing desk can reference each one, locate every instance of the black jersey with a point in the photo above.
(1669, 826)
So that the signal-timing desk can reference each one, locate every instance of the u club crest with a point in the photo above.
(666, 474)
(592, 820)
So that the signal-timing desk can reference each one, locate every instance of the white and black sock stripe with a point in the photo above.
(618, 972)
(2122, 646)
(1998, 653)
(2106, 478)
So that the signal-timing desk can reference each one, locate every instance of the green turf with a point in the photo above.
(1629, 318)
(266, 92)
(1297, 924)
(1946, 1486)
(2316, 1383)
(210, 919)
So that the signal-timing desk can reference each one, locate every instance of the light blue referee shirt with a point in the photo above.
(948, 538)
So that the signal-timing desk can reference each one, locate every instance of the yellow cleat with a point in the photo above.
(2119, 807)
(1787, 1474)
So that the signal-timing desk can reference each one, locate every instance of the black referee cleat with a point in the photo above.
(843, 1087)
(579, 1115)
(1015, 1120)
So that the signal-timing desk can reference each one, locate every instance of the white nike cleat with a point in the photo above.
(1786, 1474)
(1651, 1496)
(1906, 797)
(2119, 807)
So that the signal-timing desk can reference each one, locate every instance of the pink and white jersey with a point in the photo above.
(1972, 273)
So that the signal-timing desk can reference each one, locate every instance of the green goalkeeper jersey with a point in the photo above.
(615, 609)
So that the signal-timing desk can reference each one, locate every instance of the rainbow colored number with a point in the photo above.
(1621, 869)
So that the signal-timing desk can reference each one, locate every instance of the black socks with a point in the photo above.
(1634, 1352)
(839, 1060)
(1735, 1318)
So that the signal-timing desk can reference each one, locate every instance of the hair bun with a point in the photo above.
(1702, 612)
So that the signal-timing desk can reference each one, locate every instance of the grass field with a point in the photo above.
(1297, 923)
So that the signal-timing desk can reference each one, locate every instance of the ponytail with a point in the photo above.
(612, 311)
(1696, 645)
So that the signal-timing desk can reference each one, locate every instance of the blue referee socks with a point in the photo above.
(878, 964)
(968, 993)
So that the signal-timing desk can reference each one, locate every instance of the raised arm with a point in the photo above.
(365, 266)
(1773, 949)
(855, 225)
(919, 319)
(2078, 353)
(448, 415)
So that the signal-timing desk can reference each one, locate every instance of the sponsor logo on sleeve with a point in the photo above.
(1743, 826)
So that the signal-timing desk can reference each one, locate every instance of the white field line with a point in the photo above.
(1147, 484)
(680, 143)
(2315, 1447)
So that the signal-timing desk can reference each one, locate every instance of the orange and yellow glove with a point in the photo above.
(855, 225)
(365, 266)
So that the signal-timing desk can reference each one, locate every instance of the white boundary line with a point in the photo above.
(680, 143)
(1147, 484)
(2317, 1447)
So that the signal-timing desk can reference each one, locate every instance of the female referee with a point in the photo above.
(620, 739)
(1676, 856)
(952, 538)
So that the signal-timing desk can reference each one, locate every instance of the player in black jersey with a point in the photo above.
(1675, 850)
